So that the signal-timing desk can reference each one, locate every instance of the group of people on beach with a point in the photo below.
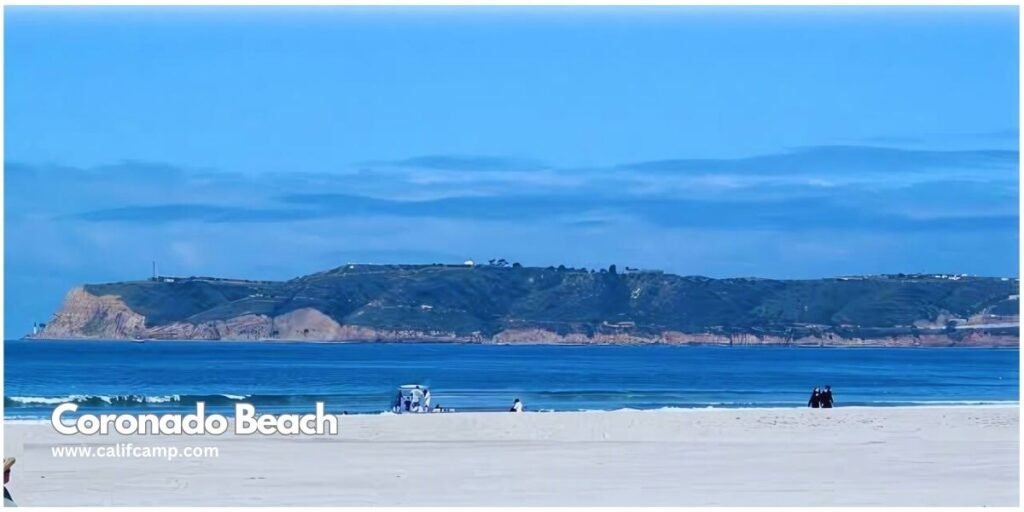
(821, 398)
(416, 401)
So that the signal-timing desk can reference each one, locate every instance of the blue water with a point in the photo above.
(278, 377)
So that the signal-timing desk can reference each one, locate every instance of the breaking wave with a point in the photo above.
(123, 400)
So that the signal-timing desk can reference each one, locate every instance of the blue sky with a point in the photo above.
(272, 142)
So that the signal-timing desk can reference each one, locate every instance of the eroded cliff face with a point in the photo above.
(87, 316)
(84, 315)
(538, 336)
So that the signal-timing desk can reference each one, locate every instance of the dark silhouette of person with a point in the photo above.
(8, 500)
(815, 400)
(408, 403)
(826, 397)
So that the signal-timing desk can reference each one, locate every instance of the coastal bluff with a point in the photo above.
(498, 303)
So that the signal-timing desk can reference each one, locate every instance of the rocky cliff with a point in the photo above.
(549, 305)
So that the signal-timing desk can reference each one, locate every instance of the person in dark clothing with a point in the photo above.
(815, 400)
(8, 500)
(826, 397)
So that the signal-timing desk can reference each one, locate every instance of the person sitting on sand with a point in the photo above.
(517, 406)
(437, 408)
(815, 400)
(826, 398)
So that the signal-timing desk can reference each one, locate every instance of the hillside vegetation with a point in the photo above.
(489, 299)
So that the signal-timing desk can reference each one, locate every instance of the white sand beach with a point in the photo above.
(924, 456)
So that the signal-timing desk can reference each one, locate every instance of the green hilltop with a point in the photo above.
(484, 300)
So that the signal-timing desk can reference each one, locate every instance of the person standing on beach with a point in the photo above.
(826, 398)
(417, 399)
(8, 500)
(815, 400)
(517, 406)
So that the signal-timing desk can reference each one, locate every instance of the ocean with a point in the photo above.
(363, 377)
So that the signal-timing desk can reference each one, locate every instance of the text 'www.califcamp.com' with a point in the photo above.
(131, 451)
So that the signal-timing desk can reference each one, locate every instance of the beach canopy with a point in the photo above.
(410, 389)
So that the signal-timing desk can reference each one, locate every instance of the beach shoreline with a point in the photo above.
(1011, 404)
(917, 455)
(1011, 343)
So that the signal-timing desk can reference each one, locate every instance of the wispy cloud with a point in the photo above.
(185, 212)
(1002, 139)
(788, 215)
(481, 163)
(838, 188)
(838, 161)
